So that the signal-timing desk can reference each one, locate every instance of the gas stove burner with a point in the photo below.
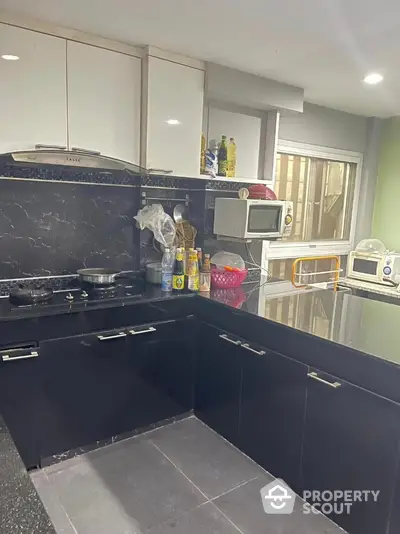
(99, 291)
(23, 296)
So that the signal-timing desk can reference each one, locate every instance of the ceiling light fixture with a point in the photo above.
(9, 57)
(173, 122)
(373, 78)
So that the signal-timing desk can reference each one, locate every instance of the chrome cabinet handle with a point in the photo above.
(226, 338)
(137, 332)
(53, 147)
(258, 352)
(334, 385)
(114, 336)
(8, 358)
(85, 151)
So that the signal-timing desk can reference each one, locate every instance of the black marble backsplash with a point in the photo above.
(55, 220)
(50, 228)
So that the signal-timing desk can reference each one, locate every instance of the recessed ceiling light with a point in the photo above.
(373, 78)
(173, 122)
(9, 57)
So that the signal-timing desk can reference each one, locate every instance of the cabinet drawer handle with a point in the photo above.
(137, 332)
(334, 385)
(8, 358)
(258, 352)
(226, 338)
(114, 336)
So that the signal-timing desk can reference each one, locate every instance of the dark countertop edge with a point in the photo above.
(118, 303)
(21, 510)
(353, 366)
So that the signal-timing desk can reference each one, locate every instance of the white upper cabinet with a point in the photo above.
(174, 117)
(33, 106)
(104, 90)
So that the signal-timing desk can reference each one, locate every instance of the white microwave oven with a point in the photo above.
(374, 267)
(252, 219)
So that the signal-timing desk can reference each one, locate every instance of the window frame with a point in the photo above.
(280, 250)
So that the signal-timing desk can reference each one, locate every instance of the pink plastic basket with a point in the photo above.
(227, 279)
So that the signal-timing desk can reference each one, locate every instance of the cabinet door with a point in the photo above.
(33, 104)
(272, 412)
(104, 101)
(174, 146)
(218, 381)
(162, 356)
(102, 385)
(351, 441)
(21, 400)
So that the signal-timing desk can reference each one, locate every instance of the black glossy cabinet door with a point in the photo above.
(272, 412)
(21, 401)
(100, 385)
(218, 381)
(351, 442)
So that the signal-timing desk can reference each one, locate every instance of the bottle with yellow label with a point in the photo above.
(193, 271)
(231, 158)
(178, 277)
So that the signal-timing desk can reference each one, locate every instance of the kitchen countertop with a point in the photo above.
(390, 291)
(21, 509)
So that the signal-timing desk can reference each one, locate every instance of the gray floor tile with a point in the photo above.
(127, 487)
(211, 463)
(205, 519)
(244, 508)
(51, 503)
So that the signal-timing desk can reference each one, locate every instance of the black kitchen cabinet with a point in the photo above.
(272, 411)
(100, 385)
(21, 400)
(351, 441)
(218, 381)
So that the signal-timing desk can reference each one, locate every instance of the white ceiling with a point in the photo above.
(324, 46)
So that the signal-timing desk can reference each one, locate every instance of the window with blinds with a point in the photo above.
(322, 192)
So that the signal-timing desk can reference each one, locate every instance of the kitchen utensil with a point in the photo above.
(186, 235)
(179, 213)
(262, 192)
(98, 275)
(154, 273)
(26, 295)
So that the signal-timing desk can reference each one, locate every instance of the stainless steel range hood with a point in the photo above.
(76, 157)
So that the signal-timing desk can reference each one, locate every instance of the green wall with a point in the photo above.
(386, 221)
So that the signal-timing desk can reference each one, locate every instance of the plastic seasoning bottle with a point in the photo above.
(167, 267)
(193, 271)
(205, 275)
(178, 278)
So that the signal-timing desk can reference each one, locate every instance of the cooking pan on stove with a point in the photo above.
(98, 276)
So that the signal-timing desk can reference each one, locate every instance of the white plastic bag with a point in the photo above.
(223, 259)
(160, 223)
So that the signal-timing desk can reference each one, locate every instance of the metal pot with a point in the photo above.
(98, 276)
(154, 273)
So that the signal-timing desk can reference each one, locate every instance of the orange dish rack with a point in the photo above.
(298, 261)
(227, 279)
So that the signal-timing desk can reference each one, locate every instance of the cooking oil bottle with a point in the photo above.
(231, 158)
(222, 157)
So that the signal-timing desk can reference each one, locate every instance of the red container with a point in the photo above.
(262, 192)
(227, 279)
